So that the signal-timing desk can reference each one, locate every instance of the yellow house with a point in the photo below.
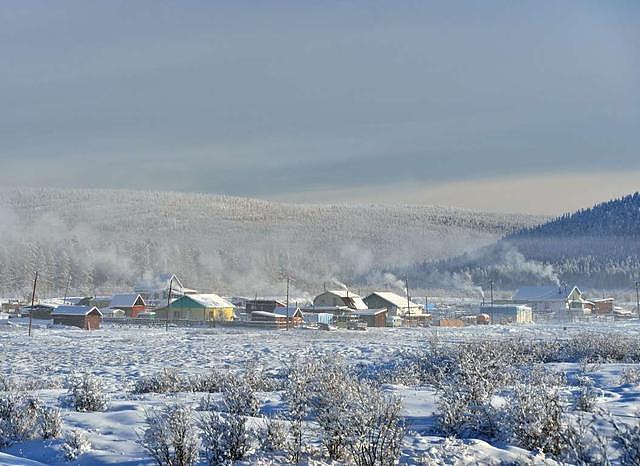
(197, 307)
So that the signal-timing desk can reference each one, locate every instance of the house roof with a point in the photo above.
(266, 314)
(368, 312)
(540, 293)
(74, 310)
(124, 300)
(394, 298)
(290, 311)
(351, 299)
(209, 300)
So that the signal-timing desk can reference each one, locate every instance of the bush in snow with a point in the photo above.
(533, 417)
(275, 435)
(296, 395)
(17, 417)
(225, 437)
(75, 444)
(50, 422)
(375, 428)
(587, 395)
(239, 398)
(171, 437)
(168, 381)
(630, 375)
(86, 393)
(628, 438)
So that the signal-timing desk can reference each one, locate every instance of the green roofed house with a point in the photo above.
(197, 307)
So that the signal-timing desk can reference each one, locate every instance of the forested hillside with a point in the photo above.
(597, 247)
(107, 239)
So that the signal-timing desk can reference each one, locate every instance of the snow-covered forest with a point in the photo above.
(107, 239)
(597, 247)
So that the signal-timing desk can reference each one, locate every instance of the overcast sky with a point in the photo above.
(512, 106)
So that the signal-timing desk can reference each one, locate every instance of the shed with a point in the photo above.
(130, 303)
(268, 319)
(85, 317)
(294, 314)
(38, 311)
(372, 317)
(202, 307)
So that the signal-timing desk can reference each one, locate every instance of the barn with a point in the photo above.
(201, 307)
(372, 317)
(85, 317)
(131, 303)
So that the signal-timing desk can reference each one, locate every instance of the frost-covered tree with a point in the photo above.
(171, 437)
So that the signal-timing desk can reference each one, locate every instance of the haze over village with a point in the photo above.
(294, 233)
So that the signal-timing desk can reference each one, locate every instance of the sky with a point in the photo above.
(493, 105)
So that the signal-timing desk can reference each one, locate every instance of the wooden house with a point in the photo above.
(267, 305)
(395, 304)
(339, 299)
(372, 317)
(197, 307)
(293, 314)
(38, 311)
(269, 320)
(85, 317)
(131, 303)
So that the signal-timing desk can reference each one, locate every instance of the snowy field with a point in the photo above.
(43, 365)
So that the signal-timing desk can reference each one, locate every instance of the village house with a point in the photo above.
(38, 311)
(85, 317)
(131, 303)
(397, 308)
(267, 305)
(372, 317)
(508, 313)
(294, 314)
(339, 300)
(544, 299)
(197, 307)
(155, 290)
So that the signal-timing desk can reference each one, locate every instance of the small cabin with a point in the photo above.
(293, 314)
(84, 317)
(131, 303)
(372, 317)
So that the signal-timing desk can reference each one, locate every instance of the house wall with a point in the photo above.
(92, 321)
(377, 320)
(376, 302)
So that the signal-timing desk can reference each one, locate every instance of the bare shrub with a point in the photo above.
(630, 375)
(75, 444)
(375, 427)
(275, 435)
(171, 438)
(534, 418)
(17, 417)
(587, 395)
(50, 422)
(297, 394)
(225, 437)
(87, 393)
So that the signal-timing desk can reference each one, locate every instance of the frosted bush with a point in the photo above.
(168, 381)
(630, 375)
(17, 417)
(375, 428)
(50, 422)
(75, 444)
(587, 395)
(296, 396)
(171, 438)
(275, 435)
(87, 393)
(239, 398)
(225, 437)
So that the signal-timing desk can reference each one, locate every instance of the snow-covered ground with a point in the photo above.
(121, 356)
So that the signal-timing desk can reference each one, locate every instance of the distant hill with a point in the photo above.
(598, 247)
(107, 239)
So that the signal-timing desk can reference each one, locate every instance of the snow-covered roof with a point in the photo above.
(124, 300)
(351, 299)
(210, 300)
(368, 312)
(540, 293)
(266, 314)
(395, 299)
(74, 310)
(287, 311)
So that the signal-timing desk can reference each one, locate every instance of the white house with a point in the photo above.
(395, 304)
(546, 299)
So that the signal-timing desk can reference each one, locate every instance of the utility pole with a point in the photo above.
(491, 296)
(287, 301)
(169, 304)
(33, 298)
(406, 285)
